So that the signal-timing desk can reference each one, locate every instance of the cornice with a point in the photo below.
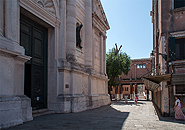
(99, 20)
(98, 3)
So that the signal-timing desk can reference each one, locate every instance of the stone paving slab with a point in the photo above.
(117, 116)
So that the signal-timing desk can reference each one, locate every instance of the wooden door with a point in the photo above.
(33, 38)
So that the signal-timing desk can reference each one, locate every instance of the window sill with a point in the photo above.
(79, 50)
(177, 10)
(179, 94)
(178, 62)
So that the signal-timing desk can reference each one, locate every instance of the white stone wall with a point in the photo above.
(76, 77)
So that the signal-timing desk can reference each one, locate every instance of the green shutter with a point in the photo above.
(172, 56)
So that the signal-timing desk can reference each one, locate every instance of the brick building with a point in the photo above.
(168, 78)
(132, 83)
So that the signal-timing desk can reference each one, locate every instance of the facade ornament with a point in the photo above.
(47, 4)
(70, 57)
(78, 38)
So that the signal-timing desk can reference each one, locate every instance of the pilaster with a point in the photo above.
(93, 46)
(1, 17)
(12, 20)
(62, 30)
(101, 53)
(104, 54)
(88, 33)
(71, 29)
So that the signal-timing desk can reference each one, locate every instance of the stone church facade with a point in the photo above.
(40, 65)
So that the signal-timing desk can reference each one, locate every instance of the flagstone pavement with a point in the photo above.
(117, 116)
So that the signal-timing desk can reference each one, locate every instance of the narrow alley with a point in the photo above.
(116, 116)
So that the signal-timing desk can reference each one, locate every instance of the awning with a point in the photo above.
(152, 82)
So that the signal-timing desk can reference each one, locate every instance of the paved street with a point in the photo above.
(117, 116)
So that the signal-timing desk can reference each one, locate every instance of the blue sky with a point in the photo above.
(130, 26)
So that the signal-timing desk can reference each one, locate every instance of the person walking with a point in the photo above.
(178, 112)
(126, 99)
(136, 99)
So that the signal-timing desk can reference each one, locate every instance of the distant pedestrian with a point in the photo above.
(178, 112)
(126, 99)
(136, 99)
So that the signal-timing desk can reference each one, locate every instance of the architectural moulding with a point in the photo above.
(97, 22)
(81, 8)
(43, 10)
(14, 54)
(47, 4)
(178, 34)
(98, 4)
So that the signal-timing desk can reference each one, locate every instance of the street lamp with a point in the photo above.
(164, 56)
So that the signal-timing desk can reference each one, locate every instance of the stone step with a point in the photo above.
(141, 98)
(41, 112)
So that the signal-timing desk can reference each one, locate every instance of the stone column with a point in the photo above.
(12, 20)
(62, 30)
(1, 17)
(101, 53)
(88, 33)
(71, 29)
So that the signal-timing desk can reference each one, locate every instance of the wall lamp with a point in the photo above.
(164, 56)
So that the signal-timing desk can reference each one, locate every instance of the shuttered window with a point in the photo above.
(172, 49)
(179, 3)
(180, 48)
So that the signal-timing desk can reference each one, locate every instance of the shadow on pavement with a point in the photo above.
(104, 117)
(166, 119)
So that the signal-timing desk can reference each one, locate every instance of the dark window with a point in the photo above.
(180, 49)
(179, 3)
(172, 49)
(180, 89)
(126, 88)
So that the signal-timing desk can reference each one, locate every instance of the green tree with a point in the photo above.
(117, 62)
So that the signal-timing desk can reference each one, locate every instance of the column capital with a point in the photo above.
(102, 34)
(105, 37)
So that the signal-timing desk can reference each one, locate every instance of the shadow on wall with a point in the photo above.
(102, 118)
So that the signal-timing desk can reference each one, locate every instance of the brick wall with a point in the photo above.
(137, 73)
